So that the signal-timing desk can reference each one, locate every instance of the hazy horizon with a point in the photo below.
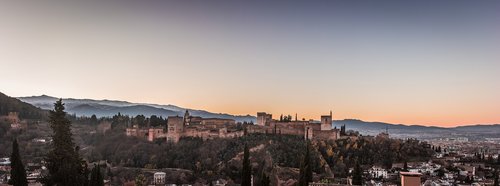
(275, 115)
(426, 62)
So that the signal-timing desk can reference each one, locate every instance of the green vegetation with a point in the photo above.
(495, 177)
(63, 161)
(305, 175)
(246, 173)
(287, 118)
(140, 180)
(265, 181)
(17, 172)
(342, 154)
(25, 110)
(357, 175)
(195, 158)
(96, 178)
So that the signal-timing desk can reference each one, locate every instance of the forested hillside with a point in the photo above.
(25, 110)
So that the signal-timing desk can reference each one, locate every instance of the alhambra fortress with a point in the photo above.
(209, 128)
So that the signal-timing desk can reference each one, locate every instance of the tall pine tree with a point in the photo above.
(246, 175)
(305, 168)
(17, 171)
(63, 160)
(96, 178)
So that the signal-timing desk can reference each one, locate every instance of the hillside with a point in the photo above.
(25, 110)
(106, 108)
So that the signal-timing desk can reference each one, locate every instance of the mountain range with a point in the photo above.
(105, 108)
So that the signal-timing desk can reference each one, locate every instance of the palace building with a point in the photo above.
(309, 129)
(188, 126)
(209, 128)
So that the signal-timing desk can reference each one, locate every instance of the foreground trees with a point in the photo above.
(357, 175)
(17, 172)
(63, 161)
(246, 176)
(96, 178)
(305, 168)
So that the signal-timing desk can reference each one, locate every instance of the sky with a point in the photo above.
(426, 62)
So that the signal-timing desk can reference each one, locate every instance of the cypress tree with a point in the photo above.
(246, 176)
(495, 177)
(264, 181)
(305, 168)
(63, 161)
(17, 172)
(357, 175)
(96, 178)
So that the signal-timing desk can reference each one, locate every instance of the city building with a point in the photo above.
(410, 179)
(159, 178)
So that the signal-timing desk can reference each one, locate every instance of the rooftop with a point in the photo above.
(410, 174)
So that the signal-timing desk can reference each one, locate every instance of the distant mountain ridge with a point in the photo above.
(106, 108)
(419, 131)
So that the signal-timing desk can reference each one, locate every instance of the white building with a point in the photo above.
(377, 172)
(159, 178)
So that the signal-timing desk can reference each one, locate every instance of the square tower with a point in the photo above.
(263, 118)
(326, 122)
(175, 128)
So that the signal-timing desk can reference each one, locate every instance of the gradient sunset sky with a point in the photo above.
(430, 62)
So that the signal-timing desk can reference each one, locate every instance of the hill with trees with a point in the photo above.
(108, 108)
(25, 110)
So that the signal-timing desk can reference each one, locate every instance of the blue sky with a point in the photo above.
(423, 62)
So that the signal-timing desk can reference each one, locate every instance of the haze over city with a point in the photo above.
(426, 62)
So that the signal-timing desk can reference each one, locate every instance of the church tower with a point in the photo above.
(326, 122)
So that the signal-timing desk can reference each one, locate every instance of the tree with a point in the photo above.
(140, 180)
(265, 181)
(357, 175)
(342, 130)
(495, 177)
(96, 178)
(17, 172)
(140, 120)
(246, 176)
(63, 160)
(305, 168)
(93, 119)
